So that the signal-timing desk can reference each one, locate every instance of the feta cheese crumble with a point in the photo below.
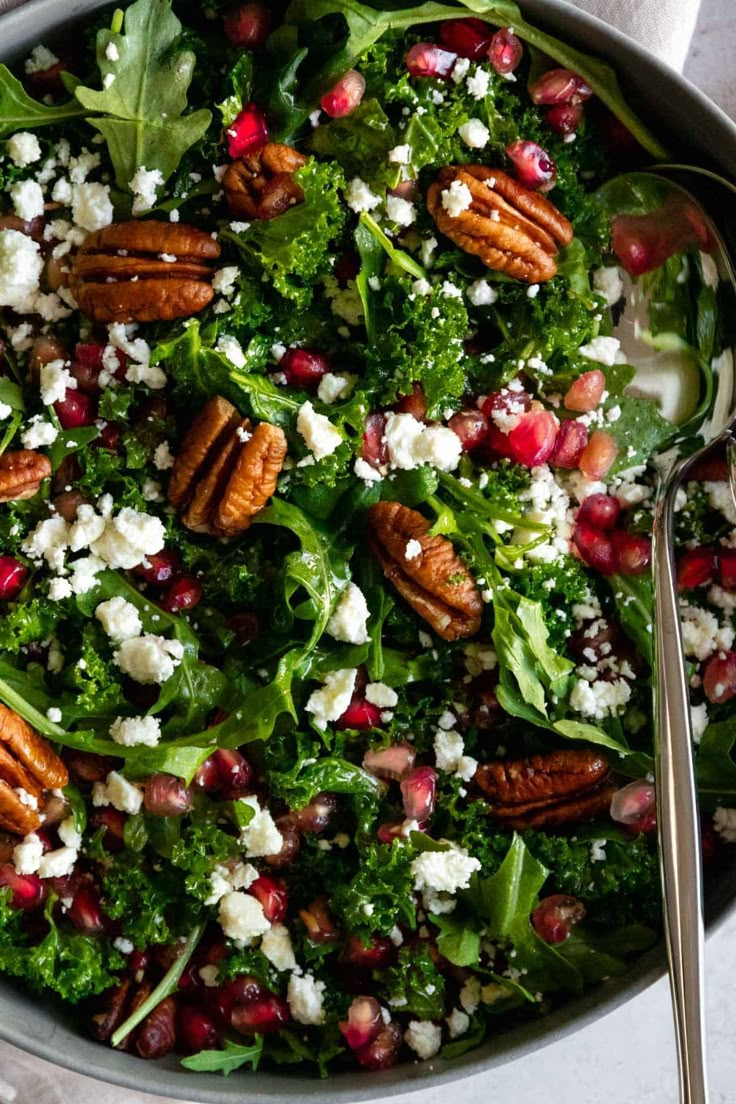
(349, 620)
(136, 731)
(304, 996)
(318, 432)
(329, 703)
(149, 659)
(457, 198)
(119, 619)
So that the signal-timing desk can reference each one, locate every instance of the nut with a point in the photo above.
(226, 470)
(21, 474)
(156, 1036)
(436, 583)
(511, 228)
(112, 1013)
(546, 791)
(262, 185)
(27, 762)
(120, 274)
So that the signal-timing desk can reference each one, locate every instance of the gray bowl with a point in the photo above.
(699, 131)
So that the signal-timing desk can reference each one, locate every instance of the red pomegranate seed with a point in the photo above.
(595, 548)
(468, 38)
(261, 1016)
(390, 830)
(28, 892)
(361, 715)
(572, 437)
(111, 434)
(318, 922)
(316, 816)
(719, 679)
(532, 442)
(506, 401)
(248, 132)
(85, 911)
(598, 456)
(696, 567)
(709, 843)
(383, 1052)
(471, 426)
(586, 392)
(113, 822)
(88, 364)
(13, 575)
(644, 242)
(75, 410)
(208, 776)
(418, 793)
(635, 805)
(414, 403)
(374, 450)
(425, 59)
(291, 841)
(345, 96)
(363, 1024)
(391, 763)
(505, 51)
(554, 917)
(248, 26)
(534, 166)
(272, 894)
(235, 771)
(633, 552)
(560, 86)
(726, 568)
(184, 594)
(564, 118)
(195, 1029)
(497, 442)
(160, 569)
(304, 367)
(601, 511)
(368, 956)
(167, 796)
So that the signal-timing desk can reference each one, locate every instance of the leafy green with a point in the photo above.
(360, 141)
(415, 984)
(635, 608)
(384, 880)
(457, 941)
(18, 111)
(715, 766)
(231, 1057)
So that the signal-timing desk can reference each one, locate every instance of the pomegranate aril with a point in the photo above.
(572, 437)
(248, 132)
(113, 822)
(13, 576)
(719, 679)
(415, 403)
(644, 242)
(318, 922)
(75, 410)
(261, 1016)
(85, 911)
(471, 426)
(586, 392)
(248, 26)
(360, 715)
(601, 511)
(468, 38)
(633, 552)
(208, 776)
(184, 593)
(507, 401)
(363, 1024)
(532, 441)
(167, 796)
(370, 956)
(111, 434)
(391, 763)
(316, 816)
(383, 1052)
(727, 568)
(303, 367)
(635, 805)
(345, 96)
(374, 449)
(560, 86)
(418, 791)
(272, 894)
(28, 892)
(505, 51)
(290, 843)
(235, 771)
(534, 166)
(598, 456)
(425, 59)
(595, 548)
(159, 569)
(564, 118)
(195, 1029)
(554, 917)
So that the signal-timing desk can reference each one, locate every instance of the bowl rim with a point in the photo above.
(81, 1055)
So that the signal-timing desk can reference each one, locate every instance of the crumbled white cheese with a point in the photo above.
(724, 821)
(242, 918)
(68, 833)
(119, 793)
(304, 996)
(149, 659)
(119, 619)
(260, 836)
(412, 550)
(444, 871)
(449, 750)
(424, 1038)
(21, 265)
(330, 702)
(400, 155)
(482, 294)
(460, 69)
(320, 436)
(39, 433)
(608, 283)
(48, 541)
(128, 538)
(231, 348)
(332, 387)
(57, 864)
(457, 198)
(41, 59)
(23, 149)
(720, 498)
(136, 731)
(276, 946)
(477, 84)
(457, 1022)
(359, 197)
(603, 350)
(144, 186)
(378, 693)
(223, 879)
(400, 211)
(55, 381)
(474, 133)
(111, 52)
(366, 472)
(349, 620)
(224, 280)
(27, 198)
(27, 855)
(600, 699)
(701, 633)
(91, 206)
(410, 443)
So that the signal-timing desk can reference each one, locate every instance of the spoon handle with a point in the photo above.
(677, 813)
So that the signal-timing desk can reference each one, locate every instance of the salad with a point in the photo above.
(325, 608)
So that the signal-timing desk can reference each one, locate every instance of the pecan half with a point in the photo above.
(27, 762)
(121, 274)
(546, 791)
(436, 583)
(226, 470)
(21, 474)
(262, 185)
(511, 228)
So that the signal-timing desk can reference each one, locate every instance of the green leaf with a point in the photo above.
(11, 394)
(19, 112)
(457, 941)
(715, 766)
(69, 441)
(142, 111)
(634, 600)
(232, 1057)
(360, 141)
(398, 257)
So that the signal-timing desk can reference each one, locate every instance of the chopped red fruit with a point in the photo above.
(595, 548)
(644, 242)
(415, 403)
(261, 1016)
(138, 963)
(468, 38)
(418, 793)
(363, 1024)
(360, 714)
(304, 367)
(184, 594)
(719, 679)
(111, 434)
(318, 922)
(471, 426)
(368, 956)
(601, 511)
(425, 59)
(88, 356)
(248, 26)
(195, 1029)
(28, 892)
(390, 830)
(345, 96)
(85, 911)
(599, 455)
(586, 392)
(248, 132)
(13, 575)
(554, 917)
(534, 166)
(235, 771)
(696, 567)
(208, 776)
(291, 842)
(506, 401)
(76, 409)
(113, 823)
(391, 763)
(727, 568)
(572, 437)
(272, 894)
(165, 795)
(564, 118)
(159, 569)
(560, 86)
(383, 1052)
(505, 51)
(374, 450)
(532, 441)
(635, 805)
(633, 552)
(315, 816)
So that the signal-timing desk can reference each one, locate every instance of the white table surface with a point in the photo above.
(628, 1055)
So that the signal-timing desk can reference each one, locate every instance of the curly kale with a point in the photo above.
(27, 622)
(200, 848)
(384, 882)
(415, 984)
(151, 904)
(96, 680)
(558, 586)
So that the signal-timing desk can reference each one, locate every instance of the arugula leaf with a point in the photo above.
(398, 257)
(18, 111)
(360, 141)
(231, 1057)
(634, 599)
(457, 940)
(715, 766)
(142, 110)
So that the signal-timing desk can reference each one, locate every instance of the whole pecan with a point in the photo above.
(21, 474)
(548, 790)
(226, 470)
(144, 272)
(436, 583)
(262, 185)
(112, 1013)
(511, 228)
(27, 762)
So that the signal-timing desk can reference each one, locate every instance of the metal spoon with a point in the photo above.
(661, 376)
